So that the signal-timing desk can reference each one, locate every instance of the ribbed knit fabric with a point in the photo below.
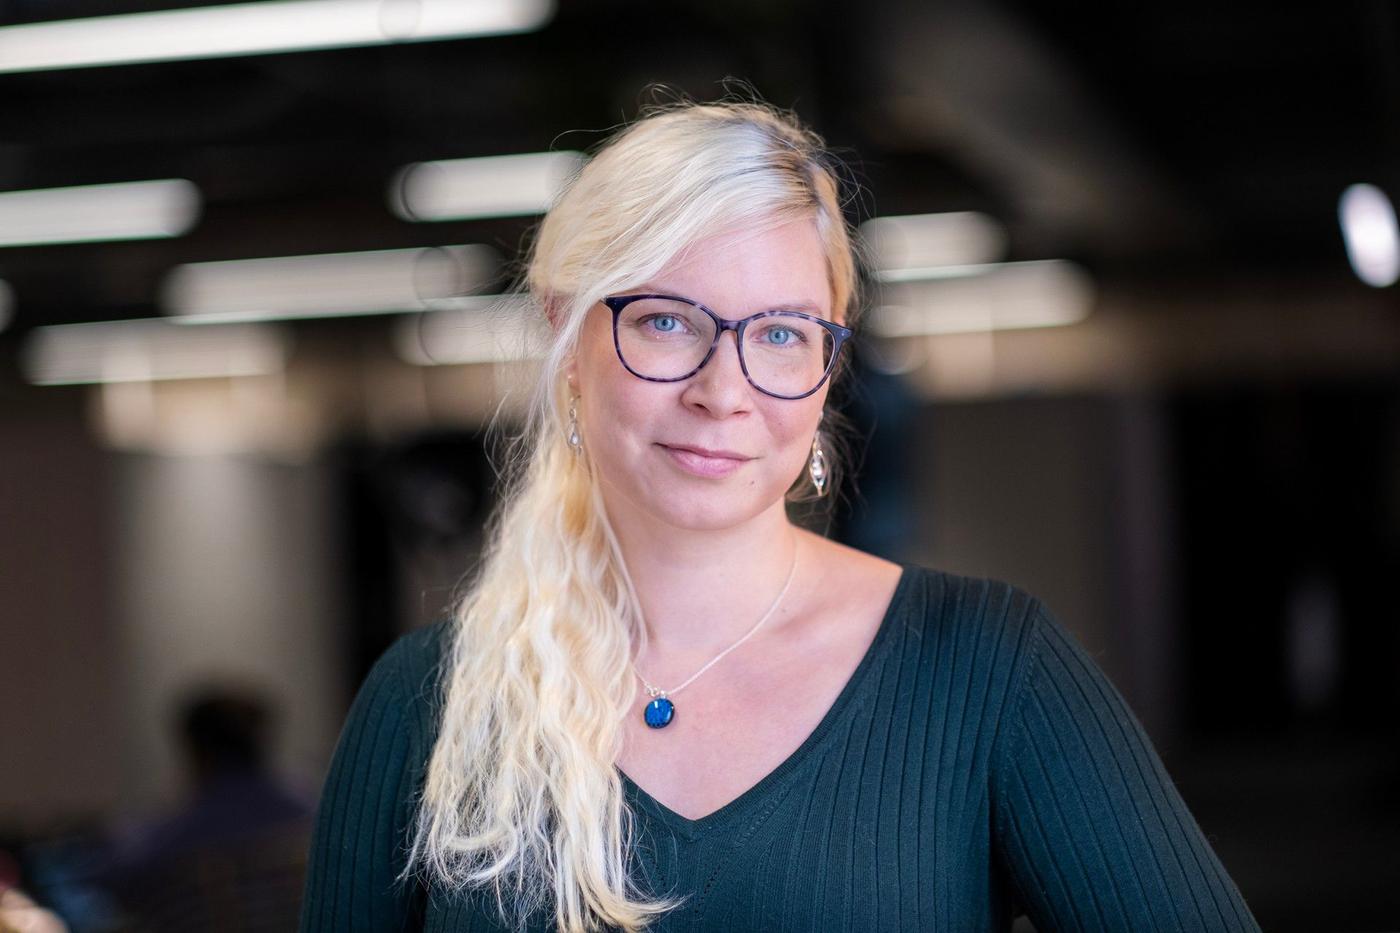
(976, 765)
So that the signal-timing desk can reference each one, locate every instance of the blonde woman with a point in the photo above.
(662, 705)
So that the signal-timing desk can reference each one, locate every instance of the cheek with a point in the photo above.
(603, 399)
(792, 440)
(621, 413)
(622, 420)
(589, 356)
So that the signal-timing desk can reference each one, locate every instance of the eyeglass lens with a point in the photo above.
(785, 354)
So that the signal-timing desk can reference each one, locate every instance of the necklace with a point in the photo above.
(661, 710)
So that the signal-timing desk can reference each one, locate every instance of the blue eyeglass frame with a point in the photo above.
(839, 336)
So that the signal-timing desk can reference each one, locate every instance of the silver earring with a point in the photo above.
(816, 466)
(575, 441)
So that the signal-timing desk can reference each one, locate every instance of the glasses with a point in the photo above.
(665, 338)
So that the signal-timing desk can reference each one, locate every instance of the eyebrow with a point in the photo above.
(806, 307)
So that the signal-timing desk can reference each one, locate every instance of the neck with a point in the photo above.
(701, 590)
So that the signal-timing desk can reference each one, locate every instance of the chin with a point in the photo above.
(705, 517)
(711, 508)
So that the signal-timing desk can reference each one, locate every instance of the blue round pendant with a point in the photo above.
(659, 712)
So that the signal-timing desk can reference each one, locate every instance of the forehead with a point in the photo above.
(744, 271)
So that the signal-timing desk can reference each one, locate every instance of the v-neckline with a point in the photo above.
(691, 829)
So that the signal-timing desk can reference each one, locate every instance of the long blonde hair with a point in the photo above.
(522, 795)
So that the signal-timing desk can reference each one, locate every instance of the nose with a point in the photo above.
(720, 387)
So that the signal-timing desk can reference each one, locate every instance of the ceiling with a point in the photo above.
(1144, 141)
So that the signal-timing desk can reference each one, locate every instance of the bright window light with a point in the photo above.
(492, 186)
(1370, 233)
(136, 210)
(918, 242)
(998, 296)
(150, 349)
(329, 285)
(253, 28)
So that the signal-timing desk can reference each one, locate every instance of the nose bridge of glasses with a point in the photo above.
(733, 329)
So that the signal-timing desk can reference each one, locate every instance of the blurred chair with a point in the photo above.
(248, 885)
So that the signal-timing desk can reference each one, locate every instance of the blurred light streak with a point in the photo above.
(486, 329)
(1314, 636)
(7, 304)
(136, 210)
(149, 349)
(996, 296)
(1370, 233)
(926, 241)
(893, 356)
(326, 285)
(254, 28)
(491, 186)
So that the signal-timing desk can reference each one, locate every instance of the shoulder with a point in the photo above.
(987, 630)
(355, 868)
(393, 721)
(925, 599)
(933, 600)
(418, 654)
(404, 681)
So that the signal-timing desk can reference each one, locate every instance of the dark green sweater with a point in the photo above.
(977, 763)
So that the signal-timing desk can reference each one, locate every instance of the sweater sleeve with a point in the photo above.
(359, 844)
(1089, 825)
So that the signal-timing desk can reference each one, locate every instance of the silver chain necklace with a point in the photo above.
(661, 710)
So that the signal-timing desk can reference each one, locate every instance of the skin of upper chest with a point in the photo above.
(747, 715)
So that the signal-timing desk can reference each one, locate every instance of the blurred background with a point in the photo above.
(1134, 345)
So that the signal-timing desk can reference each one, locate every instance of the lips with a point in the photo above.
(706, 452)
(703, 462)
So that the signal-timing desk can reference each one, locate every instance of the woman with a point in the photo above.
(662, 705)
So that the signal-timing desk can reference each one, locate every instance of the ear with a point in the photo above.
(554, 309)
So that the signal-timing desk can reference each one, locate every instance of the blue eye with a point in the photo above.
(780, 336)
(664, 322)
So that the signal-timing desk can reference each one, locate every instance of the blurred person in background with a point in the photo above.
(232, 856)
(662, 703)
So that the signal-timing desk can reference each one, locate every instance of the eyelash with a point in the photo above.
(652, 317)
(797, 336)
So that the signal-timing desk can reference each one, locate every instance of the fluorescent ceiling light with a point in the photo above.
(7, 304)
(1371, 235)
(1000, 296)
(136, 210)
(486, 329)
(330, 285)
(252, 28)
(915, 241)
(150, 349)
(492, 186)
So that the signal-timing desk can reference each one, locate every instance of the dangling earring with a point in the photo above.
(816, 466)
(575, 441)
